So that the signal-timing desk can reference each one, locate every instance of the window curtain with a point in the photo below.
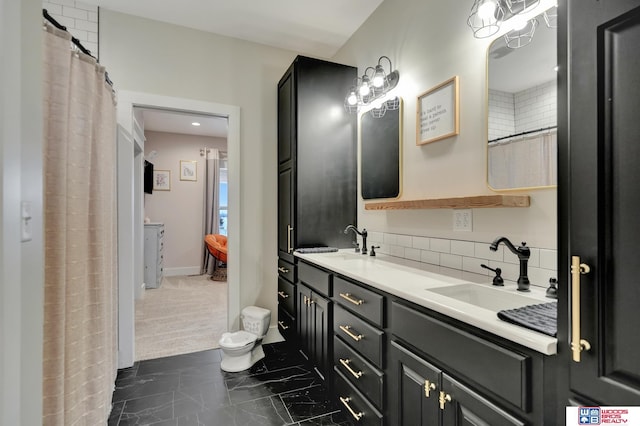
(80, 317)
(524, 163)
(211, 204)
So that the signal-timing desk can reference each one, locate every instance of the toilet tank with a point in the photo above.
(256, 320)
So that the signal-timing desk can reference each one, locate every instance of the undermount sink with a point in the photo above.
(485, 297)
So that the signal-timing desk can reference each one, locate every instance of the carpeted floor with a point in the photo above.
(186, 314)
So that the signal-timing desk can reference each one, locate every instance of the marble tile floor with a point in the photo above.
(191, 389)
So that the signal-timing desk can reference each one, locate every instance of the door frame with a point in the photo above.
(130, 195)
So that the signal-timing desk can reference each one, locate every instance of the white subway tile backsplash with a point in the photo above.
(397, 251)
(404, 240)
(463, 248)
(93, 17)
(441, 245)
(467, 256)
(73, 12)
(390, 239)
(412, 254)
(549, 259)
(452, 261)
(421, 243)
(80, 19)
(432, 257)
(52, 8)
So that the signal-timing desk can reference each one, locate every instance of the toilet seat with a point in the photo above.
(238, 339)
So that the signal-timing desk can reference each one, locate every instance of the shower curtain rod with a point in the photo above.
(74, 40)
(542, 129)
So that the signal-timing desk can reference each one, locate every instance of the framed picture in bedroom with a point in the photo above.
(162, 180)
(188, 170)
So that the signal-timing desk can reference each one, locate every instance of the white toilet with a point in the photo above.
(242, 349)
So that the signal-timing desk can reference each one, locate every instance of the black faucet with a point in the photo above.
(363, 234)
(523, 254)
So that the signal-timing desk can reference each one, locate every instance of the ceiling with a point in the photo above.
(315, 28)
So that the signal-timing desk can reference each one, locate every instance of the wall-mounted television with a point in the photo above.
(148, 177)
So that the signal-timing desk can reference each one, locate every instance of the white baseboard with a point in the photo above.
(185, 270)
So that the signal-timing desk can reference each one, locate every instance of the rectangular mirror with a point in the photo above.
(522, 109)
(380, 149)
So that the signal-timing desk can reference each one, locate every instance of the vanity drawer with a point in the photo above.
(364, 376)
(353, 404)
(287, 270)
(286, 324)
(357, 333)
(315, 278)
(366, 303)
(502, 371)
(286, 295)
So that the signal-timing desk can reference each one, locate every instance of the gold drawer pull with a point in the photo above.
(346, 362)
(347, 329)
(428, 387)
(577, 343)
(281, 324)
(283, 294)
(443, 399)
(283, 269)
(348, 297)
(345, 402)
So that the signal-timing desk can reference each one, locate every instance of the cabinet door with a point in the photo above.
(286, 119)
(462, 406)
(418, 385)
(285, 215)
(598, 198)
(321, 338)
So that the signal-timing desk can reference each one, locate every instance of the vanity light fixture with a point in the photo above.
(521, 35)
(486, 17)
(372, 89)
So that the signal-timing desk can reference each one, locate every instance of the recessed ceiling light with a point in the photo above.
(195, 123)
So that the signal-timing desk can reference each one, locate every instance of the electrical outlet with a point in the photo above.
(462, 220)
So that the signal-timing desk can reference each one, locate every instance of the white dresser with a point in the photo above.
(153, 254)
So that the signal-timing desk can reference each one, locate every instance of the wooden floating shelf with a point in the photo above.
(474, 202)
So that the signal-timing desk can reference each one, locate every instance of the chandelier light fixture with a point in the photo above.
(372, 88)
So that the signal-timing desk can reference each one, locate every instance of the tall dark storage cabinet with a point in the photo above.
(317, 173)
(598, 202)
(317, 155)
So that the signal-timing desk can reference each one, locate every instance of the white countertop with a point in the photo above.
(420, 284)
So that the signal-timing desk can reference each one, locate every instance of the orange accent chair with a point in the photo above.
(217, 246)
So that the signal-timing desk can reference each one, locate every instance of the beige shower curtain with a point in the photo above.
(80, 345)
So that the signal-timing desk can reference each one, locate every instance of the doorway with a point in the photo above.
(131, 247)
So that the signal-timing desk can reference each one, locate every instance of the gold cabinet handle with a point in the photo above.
(577, 343)
(281, 324)
(443, 399)
(345, 402)
(283, 269)
(289, 229)
(283, 294)
(428, 387)
(346, 362)
(347, 329)
(347, 296)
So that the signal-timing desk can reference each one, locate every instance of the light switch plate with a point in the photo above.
(463, 220)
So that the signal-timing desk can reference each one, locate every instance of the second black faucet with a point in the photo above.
(523, 254)
(363, 234)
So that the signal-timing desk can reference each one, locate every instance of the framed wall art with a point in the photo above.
(162, 180)
(188, 170)
(437, 115)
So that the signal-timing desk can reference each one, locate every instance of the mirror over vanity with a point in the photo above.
(522, 110)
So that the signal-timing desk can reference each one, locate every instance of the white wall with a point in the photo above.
(181, 208)
(21, 264)
(151, 57)
(429, 42)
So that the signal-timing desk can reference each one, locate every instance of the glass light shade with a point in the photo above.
(379, 77)
(485, 18)
(364, 87)
(518, 38)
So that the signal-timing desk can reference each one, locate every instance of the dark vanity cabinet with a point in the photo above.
(314, 314)
(287, 300)
(317, 156)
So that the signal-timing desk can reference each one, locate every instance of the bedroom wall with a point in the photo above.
(181, 208)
